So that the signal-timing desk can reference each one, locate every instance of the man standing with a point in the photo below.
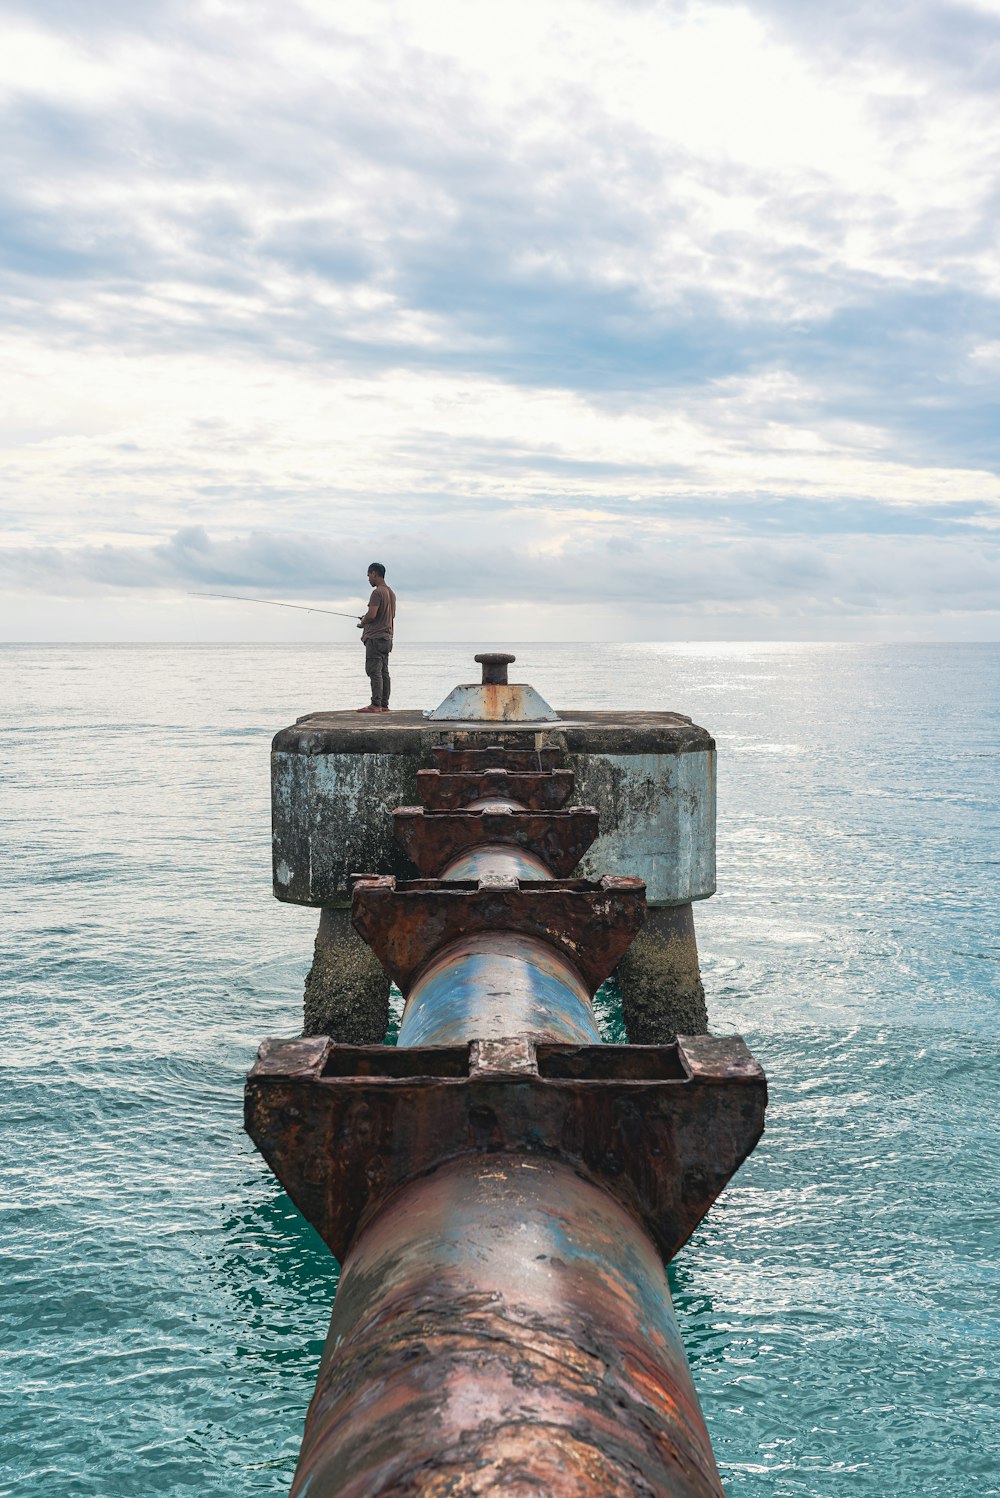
(376, 636)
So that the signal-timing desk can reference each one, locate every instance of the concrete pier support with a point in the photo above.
(347, 988)
(662, 992)
(336, 779)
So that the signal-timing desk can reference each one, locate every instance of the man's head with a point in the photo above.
(376, 573)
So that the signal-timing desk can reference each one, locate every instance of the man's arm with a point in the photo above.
(372, 610)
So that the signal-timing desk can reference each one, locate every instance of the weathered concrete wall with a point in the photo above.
(657, 817)
(332, 817)
(337, 777)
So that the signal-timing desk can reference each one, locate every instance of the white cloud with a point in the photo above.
(543, 278)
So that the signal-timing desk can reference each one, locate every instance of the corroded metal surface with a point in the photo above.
(405, 924)
(505, 1326)
(535, 789)
(493, 702)
(494, 756)
(434, 839)
(663, 1128)
(494, 803)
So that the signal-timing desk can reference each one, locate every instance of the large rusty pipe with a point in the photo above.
(456, 997)
(494, 984)
(504, 1325)
(503, 1320)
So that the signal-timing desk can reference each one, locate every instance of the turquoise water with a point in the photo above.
(163, 1306)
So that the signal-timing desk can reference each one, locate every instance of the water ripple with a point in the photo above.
(163, 1304)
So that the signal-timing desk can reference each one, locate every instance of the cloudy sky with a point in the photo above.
(590, 320)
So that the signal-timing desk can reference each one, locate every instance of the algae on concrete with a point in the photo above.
(660, 980)
(347, 988)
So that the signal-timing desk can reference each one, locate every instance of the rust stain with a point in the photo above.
(662, 1128)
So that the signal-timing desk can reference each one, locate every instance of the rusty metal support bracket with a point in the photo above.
(432, 839)
(661, 1127)
(494, 757)
(538, 790)
(590, 923)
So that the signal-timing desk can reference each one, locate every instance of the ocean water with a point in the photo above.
(162, 1304)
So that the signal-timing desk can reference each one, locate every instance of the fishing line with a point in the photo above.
(274, 604)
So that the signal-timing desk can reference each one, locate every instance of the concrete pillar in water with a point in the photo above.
(347, 988)
(337, 777)
(660, 979)
(333, 790)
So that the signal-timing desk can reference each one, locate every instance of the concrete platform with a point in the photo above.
(409, 732)
(336, 778)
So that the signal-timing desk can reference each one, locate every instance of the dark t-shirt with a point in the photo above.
(380, 628)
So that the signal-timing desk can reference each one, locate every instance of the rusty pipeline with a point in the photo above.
(502, 1190)
(497, 983)
(663, 1128)
(496, 860)
(496, 946)
(504, 1326)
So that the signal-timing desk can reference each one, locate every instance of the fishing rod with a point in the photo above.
(272, 603)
